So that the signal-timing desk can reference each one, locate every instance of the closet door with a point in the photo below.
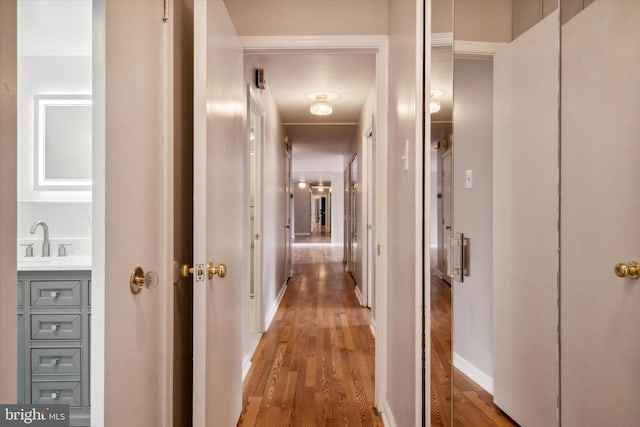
(600, 211)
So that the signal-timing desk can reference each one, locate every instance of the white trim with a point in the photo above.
(246, 365)
(421, 183)
(316, 245)
(356, 290)
(98, 226)
(378, 44)
(167, 294)
(255, 44)
(372, 326)
(387, 415)
(441, 39)
(464, 49)
(473, 372)
(274, 308)
(303, 234)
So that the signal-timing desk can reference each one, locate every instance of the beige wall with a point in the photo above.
(8, 198)
(441, 16)
(308, 17)
(472, 215)
(403, 229)
(486, 20)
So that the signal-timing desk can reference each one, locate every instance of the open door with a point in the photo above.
(218, 207)
(132, 217)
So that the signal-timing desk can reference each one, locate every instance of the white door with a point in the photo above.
(600, 312)
(218, 215)
(132, 216)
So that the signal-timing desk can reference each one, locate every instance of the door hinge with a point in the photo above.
(165, 10)
(378, 250)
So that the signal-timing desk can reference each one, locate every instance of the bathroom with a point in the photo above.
(54, 203)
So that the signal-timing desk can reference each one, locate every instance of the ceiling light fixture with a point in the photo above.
(434, 102)
(321, 106)
(302, 184)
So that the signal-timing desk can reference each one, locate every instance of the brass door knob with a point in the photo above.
(220, 270)
(630, 269)
(185, 270)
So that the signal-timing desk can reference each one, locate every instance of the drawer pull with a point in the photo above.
(55, 361)
(55, 294)
(55, 394)
(55, 326)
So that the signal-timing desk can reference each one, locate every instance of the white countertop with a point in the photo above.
(54, 263)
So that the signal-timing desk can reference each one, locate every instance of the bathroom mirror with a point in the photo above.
(498, 185)
(62, 133)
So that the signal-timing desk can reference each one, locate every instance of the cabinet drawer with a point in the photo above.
(55, 293)
(56, 392)
(55, 326)
(45, 361)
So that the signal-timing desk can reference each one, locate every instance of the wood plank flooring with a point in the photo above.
(315, 364)
(473, 406)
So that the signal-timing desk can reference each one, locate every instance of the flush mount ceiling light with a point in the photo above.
(321, 103)
(302, 184)
(434, 102)
(321, 106)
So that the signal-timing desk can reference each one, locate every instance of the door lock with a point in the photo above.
(186, 271)
(220, 270)
(139, 280)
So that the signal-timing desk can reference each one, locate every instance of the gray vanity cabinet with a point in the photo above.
(54, 312)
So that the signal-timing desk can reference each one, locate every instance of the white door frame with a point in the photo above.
(253, 105)
(379, 46)
(368, 189)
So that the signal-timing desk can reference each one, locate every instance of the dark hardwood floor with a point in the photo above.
(473, 405)
(315, 364)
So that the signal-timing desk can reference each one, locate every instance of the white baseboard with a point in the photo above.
(473, 372)
(387, 415)
(274, 307)
(246, 365)
(356, 289)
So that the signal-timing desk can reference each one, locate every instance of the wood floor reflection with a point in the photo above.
(473, 405)
(315, 364)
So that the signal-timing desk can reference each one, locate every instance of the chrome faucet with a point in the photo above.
(46, 247)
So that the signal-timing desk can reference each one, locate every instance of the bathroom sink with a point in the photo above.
(71, 262)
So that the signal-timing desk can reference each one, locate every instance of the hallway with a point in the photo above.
(315, 364)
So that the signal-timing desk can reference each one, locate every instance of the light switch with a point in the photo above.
(468, 179)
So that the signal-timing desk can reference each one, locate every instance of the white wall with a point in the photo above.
(472, 215)
(525, 225)
(404, 229)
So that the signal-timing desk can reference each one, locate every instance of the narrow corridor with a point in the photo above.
(315, 364)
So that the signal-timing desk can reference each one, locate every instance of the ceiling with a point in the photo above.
(442, 80)
(319, 142)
